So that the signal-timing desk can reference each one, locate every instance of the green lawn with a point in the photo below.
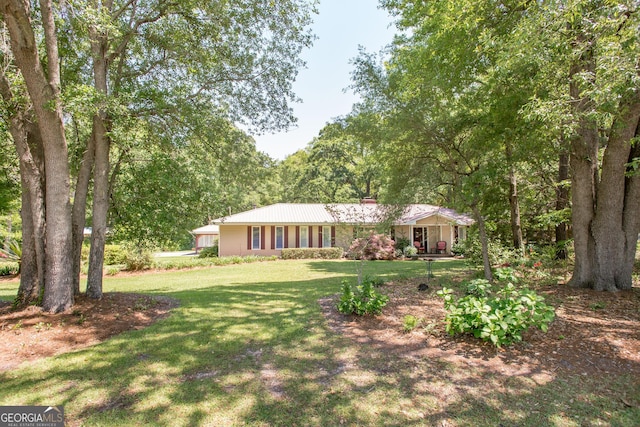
(249, 346)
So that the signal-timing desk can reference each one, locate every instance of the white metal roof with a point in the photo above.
(351, 213)
(207, 229)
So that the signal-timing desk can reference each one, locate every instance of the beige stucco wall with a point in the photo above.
(233, 240)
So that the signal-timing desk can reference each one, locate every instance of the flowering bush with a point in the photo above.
(374, 246)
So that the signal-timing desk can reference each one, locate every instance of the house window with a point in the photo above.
(255, 238)
(304, 237)
(326, 236)
(279, 237)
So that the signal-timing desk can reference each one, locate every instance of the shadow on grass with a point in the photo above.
(262, 354)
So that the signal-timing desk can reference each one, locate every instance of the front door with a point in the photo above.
(420, 239)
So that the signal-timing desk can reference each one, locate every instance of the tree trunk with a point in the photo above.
(514, 203)
(605, 211)
(608, 228)
(99, 48)
(26, 138)
(484, 241)
(43, 88)
(78, 216)
(29, 149)
(562, 202)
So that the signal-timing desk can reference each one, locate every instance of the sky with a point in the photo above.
(340, 27)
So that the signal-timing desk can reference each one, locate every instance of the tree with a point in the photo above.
(574, 68)
(43, 85)
(159, 63)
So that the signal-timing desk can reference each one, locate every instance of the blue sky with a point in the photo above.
(341, 26)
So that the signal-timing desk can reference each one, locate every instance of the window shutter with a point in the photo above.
(286, 236)
(297, 236)
(249, 237)
(320, 241)
(262, 237)
(273, 237)
(311, 236)
(333, 235)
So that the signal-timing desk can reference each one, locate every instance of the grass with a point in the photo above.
(249, 346)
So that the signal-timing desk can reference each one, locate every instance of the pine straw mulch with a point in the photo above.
(594, 333)
(30, 333)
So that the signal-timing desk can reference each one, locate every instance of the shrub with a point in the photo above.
(209, 252)
(9, 269)
(402, 242)
(375, 246)
(137, 260)
(362, 300)
(114, 254)
(312, 253)
(410, 251)
(501, 318)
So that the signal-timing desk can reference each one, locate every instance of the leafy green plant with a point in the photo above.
(500, 318)
(312, 253)
(9, 269)
(209, 252)
(410, 322)
(364, 299)
(410, 251)
(137, 260)
(506, 275)
(477, 287)
(114, 254)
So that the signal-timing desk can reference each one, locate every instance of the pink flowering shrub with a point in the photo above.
(374, 246)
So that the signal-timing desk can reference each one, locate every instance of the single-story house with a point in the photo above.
(206, 236)
(269, 229)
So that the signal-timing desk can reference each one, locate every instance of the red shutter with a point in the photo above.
(310, 236)
(297, 236)
(333, 235)
(320, 241)
(286, 236)
(249, 237)
(273, 237)
(262, 237)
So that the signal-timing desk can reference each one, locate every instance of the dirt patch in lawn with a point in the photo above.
(594, 333)
(30, 333)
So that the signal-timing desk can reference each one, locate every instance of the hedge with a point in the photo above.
(312, 253)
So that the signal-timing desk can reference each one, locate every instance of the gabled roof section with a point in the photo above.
(207, 229)
(415, 213)
(348, 213)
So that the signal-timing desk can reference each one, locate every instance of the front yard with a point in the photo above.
(261, 344)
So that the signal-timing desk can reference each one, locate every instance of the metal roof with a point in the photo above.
(350, 213)
(207, 229)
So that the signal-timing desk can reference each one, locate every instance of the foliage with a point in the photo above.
(410, 250)
(9, 268)
(362, 300)
(209, 252)
(410, 322)
(312, 253)
(337, 166)
(13, 252)
(477, 287)
(373, 247)
(114, 254)
(499, 317)
(137, 260)
(499, 254)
